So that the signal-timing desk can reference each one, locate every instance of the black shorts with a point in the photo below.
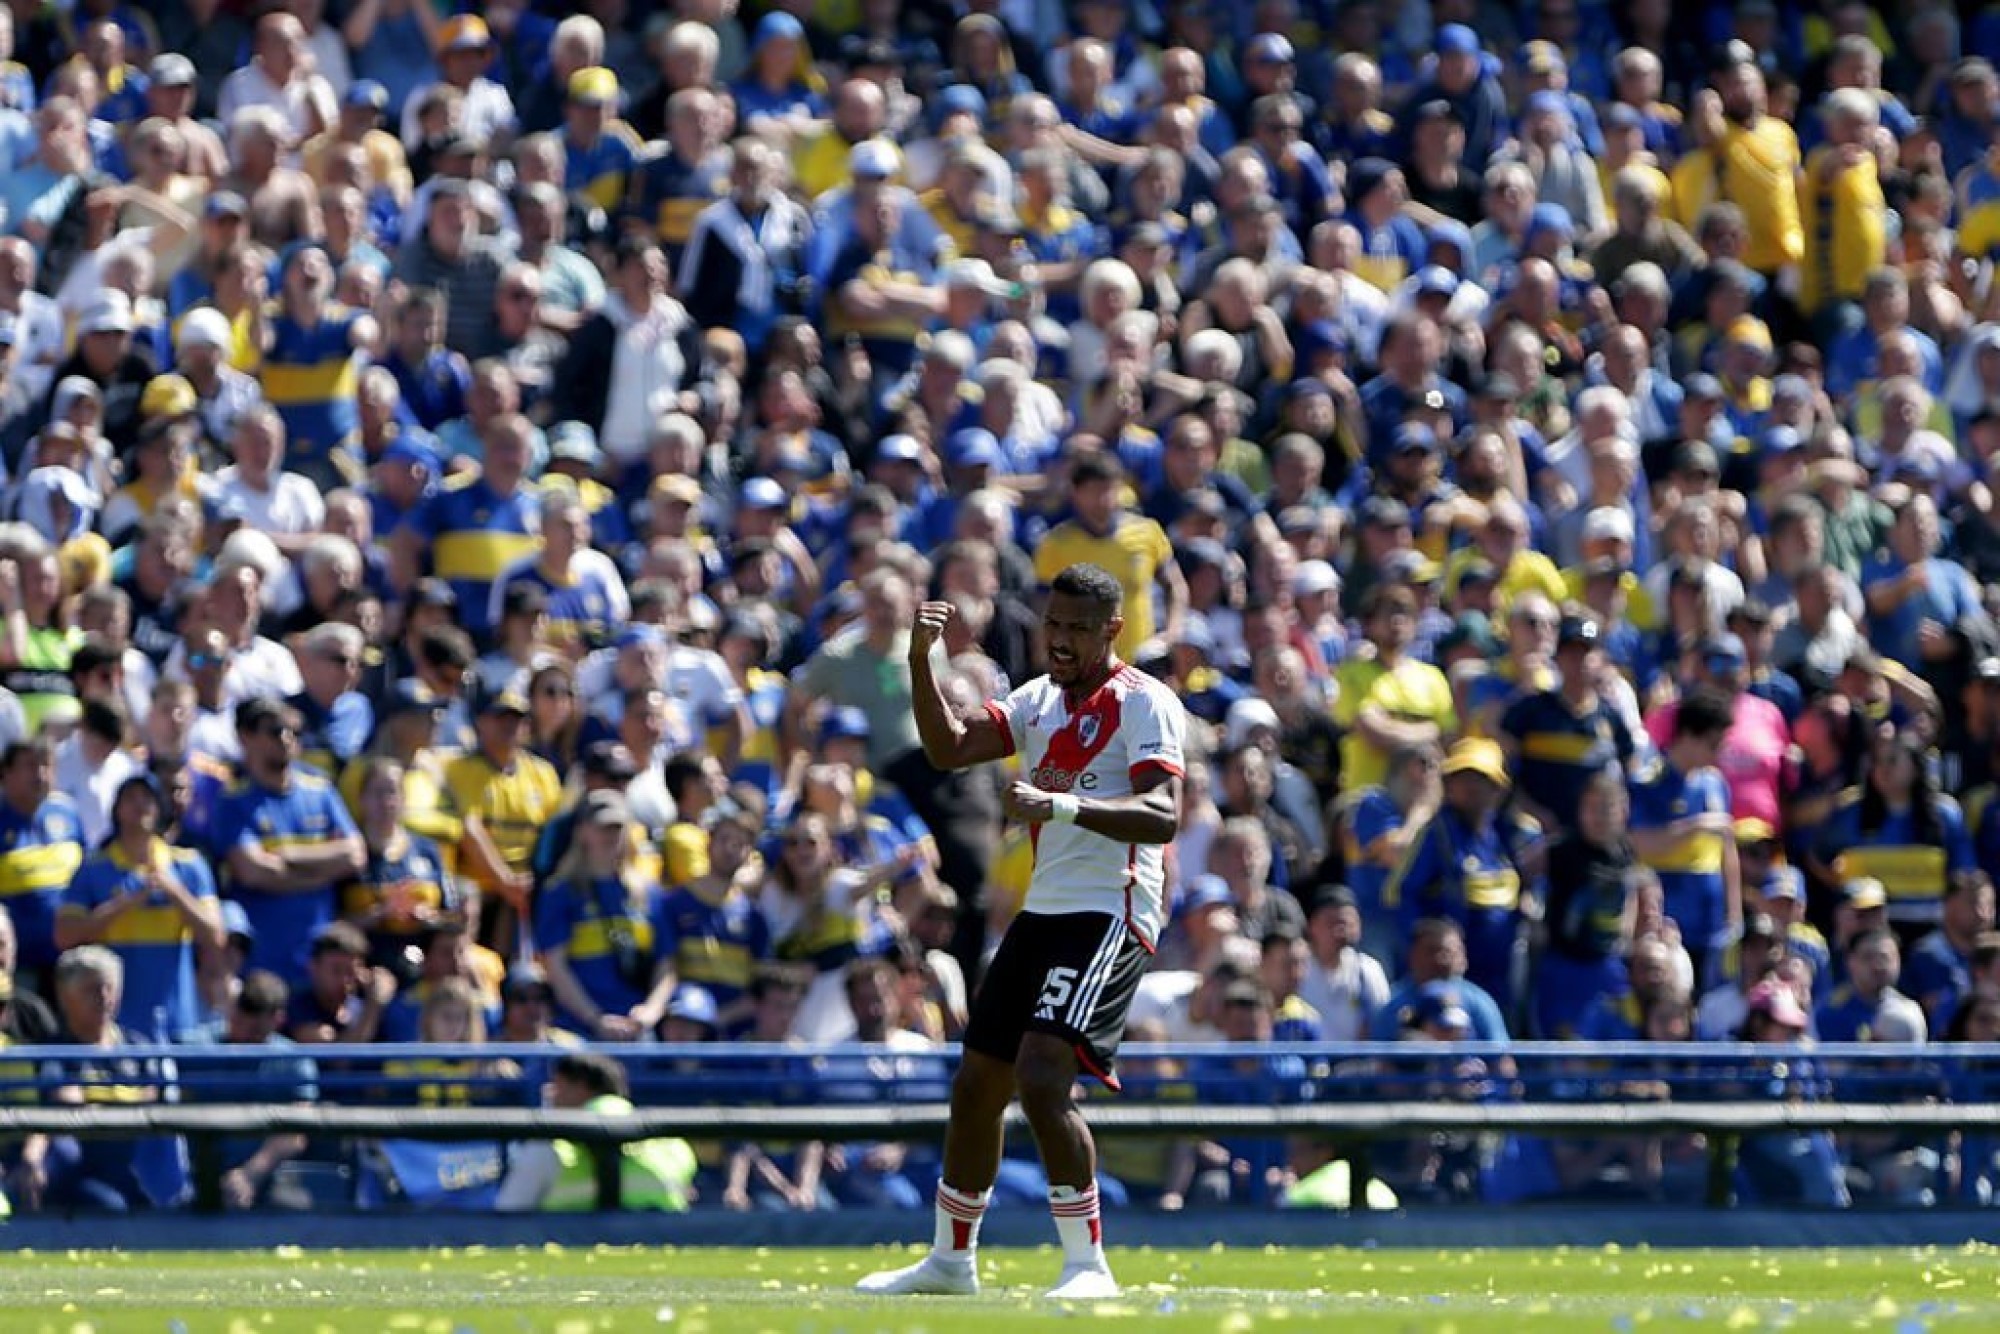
(1072, 975)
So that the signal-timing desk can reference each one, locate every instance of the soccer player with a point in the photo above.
(1101, 767)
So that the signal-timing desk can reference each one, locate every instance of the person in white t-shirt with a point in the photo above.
(282, 505)
(1102, 761)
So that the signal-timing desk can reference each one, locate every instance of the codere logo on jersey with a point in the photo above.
(1051, 779)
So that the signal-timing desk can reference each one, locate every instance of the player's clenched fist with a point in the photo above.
(932, 618)
(1027, 804)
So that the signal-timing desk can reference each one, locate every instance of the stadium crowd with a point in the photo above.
(468, 477)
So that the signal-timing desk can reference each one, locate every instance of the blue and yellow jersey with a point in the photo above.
(890, 338)
(17, 1079)
(386, 897)
(598, 171)
(764, 695)
(1613, 1019)
(331, 737)
(513, 803)
(1488, 696)
(428, 811)
(474, 535)
(716, 945)
(1979, 219)
(310, 376)
(1690, 871)
(667, 194)
(308, 813)
(1371, 818)
(1561, 750)
(1913, 871)
(39, 854)
(586, 609)
(154, 939)
(1452, 870)
(684, 853)
(1846, 1016)
(613, 939)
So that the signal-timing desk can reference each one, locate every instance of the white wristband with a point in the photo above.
(1064, 807)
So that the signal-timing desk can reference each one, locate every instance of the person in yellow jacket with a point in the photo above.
(1842, 206)
(560, 1176)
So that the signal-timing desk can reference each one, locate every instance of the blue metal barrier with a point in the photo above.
(1282, 1074)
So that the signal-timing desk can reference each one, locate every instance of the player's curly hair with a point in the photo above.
(1093, 583)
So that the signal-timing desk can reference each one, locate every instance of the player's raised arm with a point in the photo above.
(950, 742)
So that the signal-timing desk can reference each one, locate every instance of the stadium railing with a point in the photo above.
(1347, 1095)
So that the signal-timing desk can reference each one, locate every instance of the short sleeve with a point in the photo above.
(86, 889)
(1012, 713)
(1155, 732)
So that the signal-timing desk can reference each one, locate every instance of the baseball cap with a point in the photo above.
(1478, 755)
(973, 447)
(1785, 882)
(171, 69)
(1577, 630)
(1697, 456)
(1270, 48)
(604, 807)
(522, 598)
(1332, 896)
(1379, 511)
(1436, 280)
(844, 723)
(1605, 523)
(1415, 437)
(1865, 892)
(962, 98)
(1750, 331)
(168, 396)
(1315, 576)
(871, 159)
(225, 204)
(431, 591)
(778, 26)
(1703, 387)
(593, 85)
(639, 634)
(762, 493)
(1317, 338)
(1440, 1004)
(1455, 39)
(1775, 1000)
(507, 699)
(1750, 829)
(1551, 218)
(899, 448)
(976, 273)
(1477, 570)
(411, 450)
(412, 696)
(1435, 109)
(110, 313)
(1542, 57)
(609, 759)
(1724, 651)
(693, 1004)
(1196, 634)
(1246, 716)
(1410, 567)
(1204, 891)
(525, 981)
(574, 442)
(464, 32)
(368, 93)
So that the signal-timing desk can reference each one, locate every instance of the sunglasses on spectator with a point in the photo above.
(198, 661)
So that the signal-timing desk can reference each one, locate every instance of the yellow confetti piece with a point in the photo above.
(1744, 1318)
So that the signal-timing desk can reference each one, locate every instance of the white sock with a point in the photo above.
(1078, 1224)
(958, 1215)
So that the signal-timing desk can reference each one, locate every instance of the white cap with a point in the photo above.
(204, 326)
(110, 313)
(1606, 522)
(1315, 576)
(874, 157)
(977, 273)
(1246, 716)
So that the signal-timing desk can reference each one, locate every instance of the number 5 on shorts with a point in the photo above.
(1056, 989)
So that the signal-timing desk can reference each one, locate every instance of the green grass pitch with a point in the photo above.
(475, 1290)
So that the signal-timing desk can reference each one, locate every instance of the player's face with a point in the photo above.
(1079, 637)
